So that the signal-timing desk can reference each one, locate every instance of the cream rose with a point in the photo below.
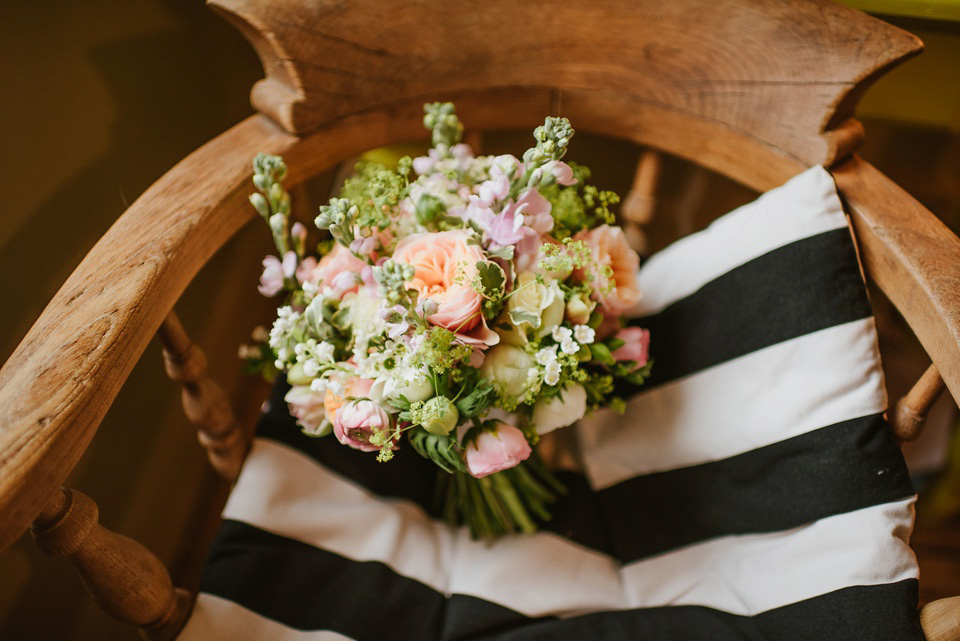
(609, 248)
(542, 301)
(445, 266)
(560, 411)
(507, 366)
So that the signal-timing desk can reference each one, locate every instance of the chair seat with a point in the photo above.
(751, 490)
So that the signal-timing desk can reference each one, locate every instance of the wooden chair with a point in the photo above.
(757, 90)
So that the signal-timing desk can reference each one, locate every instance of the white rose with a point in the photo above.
(507, 366)
(541, 300)
(559, 411)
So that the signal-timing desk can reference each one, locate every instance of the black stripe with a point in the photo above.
(833, 470)
(799, 288)
(307, 588)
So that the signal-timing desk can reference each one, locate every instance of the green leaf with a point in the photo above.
(441, 449)
(521, 316)
(478, 400)
(502, 252)
(601, 354)
(492, 279)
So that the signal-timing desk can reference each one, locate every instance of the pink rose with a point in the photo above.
(609, 248)
(636, 345)
(496, 451)
(274, 273)
(355, 422)
(339, 260)
(445, 265)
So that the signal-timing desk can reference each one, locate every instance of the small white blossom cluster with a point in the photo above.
(568, 341)
(281, 335)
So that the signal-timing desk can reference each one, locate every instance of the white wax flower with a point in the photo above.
(546, 355)
(584, 334)
(559, 411)
(569, 346)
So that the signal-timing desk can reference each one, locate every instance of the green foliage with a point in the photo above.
(440, 352)
(442, 449)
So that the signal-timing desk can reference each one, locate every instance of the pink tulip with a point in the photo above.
(496, 451)
(636, 345)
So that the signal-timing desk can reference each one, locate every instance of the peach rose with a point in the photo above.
(609, 247)
(445, 265)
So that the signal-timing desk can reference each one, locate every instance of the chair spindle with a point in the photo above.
(204, 401)
(125, 579)
(911, 411)
(640, 201)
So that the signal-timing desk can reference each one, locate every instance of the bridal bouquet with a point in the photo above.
(462, 306)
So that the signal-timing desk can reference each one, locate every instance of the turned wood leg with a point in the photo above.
(125, 579)
(911, 412)
(204, 402)
(640, 201)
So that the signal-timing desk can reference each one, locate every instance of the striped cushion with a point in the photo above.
(751, 490)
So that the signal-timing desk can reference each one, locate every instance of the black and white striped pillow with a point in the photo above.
(752, 489)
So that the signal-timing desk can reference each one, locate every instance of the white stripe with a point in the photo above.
(805, 206)
(758, 572)
(287, 493)
(759, 399)
(216, 619)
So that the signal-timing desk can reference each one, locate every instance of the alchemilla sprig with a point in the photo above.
(463, 306)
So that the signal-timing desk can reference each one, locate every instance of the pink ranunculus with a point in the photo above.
(445, 265)
(496, 451)
(274, 273)
(339, 260)
(355, 422)
(561, 172)
(636, 345)
(306, 406)
(609, 248)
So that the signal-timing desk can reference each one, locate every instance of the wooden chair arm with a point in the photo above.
(60, 381)
(941, 619)
(912, 256)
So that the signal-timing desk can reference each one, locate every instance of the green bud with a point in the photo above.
(429, 208)
(439, 416)
(276, 194)
(260, 204)
(296, 375)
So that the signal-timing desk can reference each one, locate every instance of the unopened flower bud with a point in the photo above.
(429, 307)
(440, 415)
